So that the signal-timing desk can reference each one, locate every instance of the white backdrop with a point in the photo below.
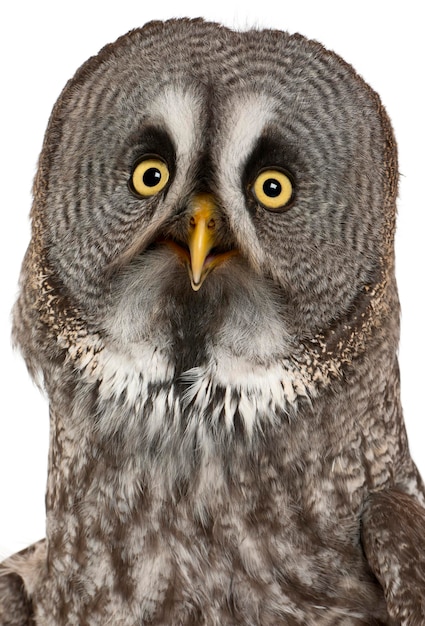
(43, 43)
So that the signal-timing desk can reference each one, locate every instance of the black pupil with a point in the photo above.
(152, 177)
(272, 188)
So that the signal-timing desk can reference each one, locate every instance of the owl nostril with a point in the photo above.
(211, 224)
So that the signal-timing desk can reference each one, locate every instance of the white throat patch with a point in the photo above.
(143, 389)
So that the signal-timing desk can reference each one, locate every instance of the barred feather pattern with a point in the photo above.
(235, 455)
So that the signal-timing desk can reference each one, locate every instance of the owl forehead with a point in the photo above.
(227, 133)
(216, 94)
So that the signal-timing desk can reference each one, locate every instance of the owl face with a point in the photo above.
(221, 199)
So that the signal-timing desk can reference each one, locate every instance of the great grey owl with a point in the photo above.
(209, 301)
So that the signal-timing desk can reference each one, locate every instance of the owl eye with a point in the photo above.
(149, 176)
(273, 189)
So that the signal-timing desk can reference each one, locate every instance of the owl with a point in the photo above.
(208, 300)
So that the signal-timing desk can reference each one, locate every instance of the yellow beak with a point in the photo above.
(201, 238)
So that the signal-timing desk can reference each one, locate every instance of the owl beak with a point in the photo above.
(201, 249)
(201, 238)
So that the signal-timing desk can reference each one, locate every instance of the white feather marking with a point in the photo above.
(289, 391)
(247, 410)
(225, 386)
(246, 117)
(180, 110)
(228, 409)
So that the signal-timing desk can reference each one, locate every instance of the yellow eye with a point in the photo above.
(273, 189)
(150, 177)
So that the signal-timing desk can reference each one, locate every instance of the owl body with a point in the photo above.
(209, 301)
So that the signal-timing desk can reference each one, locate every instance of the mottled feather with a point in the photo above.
(234, 455)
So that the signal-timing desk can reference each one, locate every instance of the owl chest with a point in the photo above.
(217, 553)
(190, 526)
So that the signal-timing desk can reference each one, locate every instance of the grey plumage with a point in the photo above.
(226, 448)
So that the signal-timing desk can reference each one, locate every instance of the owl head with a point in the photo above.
(213, 200)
